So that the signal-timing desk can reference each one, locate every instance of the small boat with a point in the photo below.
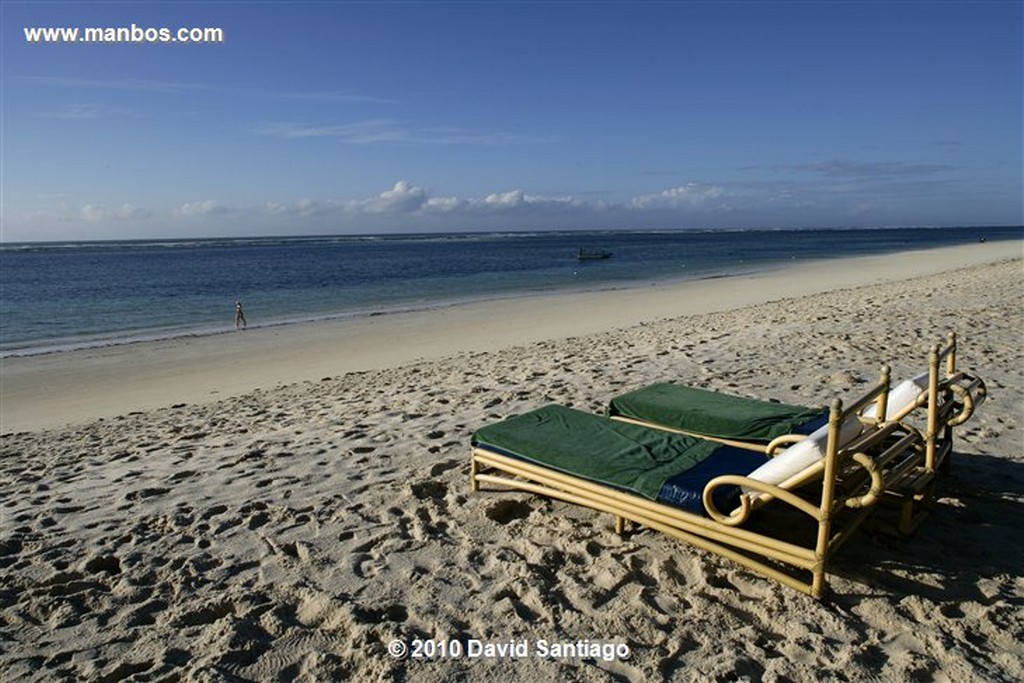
(588, 255)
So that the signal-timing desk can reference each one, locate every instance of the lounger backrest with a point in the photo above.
(809, 459)
(804, 454)
(948, 400)
(790, 467)
(801, 461)
(902, 397)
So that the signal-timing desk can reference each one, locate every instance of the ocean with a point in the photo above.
(61, 296)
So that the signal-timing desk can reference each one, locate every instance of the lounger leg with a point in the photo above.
(951, 358)
(821, 549)
(933, 409)
(474, 485)
(946, 456)
(620, 525)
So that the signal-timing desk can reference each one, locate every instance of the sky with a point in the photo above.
(379, 117)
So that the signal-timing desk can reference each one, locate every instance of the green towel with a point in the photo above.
(712, 413)
(618, 454)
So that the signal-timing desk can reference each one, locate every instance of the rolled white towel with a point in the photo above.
(905, 393)
(804, 453)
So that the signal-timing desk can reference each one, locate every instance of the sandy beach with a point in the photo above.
(288, 503)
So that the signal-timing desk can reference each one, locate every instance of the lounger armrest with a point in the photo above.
(779, 441)
(884, 467)
(747, 504)
(877, 483)
(971, 390)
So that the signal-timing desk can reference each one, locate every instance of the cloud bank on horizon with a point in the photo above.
(314, 118)
(407, 207)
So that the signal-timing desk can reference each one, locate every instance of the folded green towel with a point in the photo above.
(712, 413)
(626, 456)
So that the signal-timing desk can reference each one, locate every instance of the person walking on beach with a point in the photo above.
(239, 316)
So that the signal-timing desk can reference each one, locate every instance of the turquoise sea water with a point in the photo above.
(56, 297)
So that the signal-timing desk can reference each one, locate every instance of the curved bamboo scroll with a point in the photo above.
(877, 483)
(972, 395)
(779, 441)
(742, 513)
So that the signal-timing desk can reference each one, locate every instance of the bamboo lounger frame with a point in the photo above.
(799, 566)
(942, 415)
(948, 401)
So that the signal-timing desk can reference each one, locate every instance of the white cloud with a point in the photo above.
(92, 213)
(373, 131)
(518, 200)
(445, 204)
(301, 208)
(688, 195)
(208, 207)
(87, 111)
(359, 132)
(409, 207)
(404, 197)
(309, 207)
(513, 198)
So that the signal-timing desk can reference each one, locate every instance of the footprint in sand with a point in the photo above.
(258, 519)
(429, 489)
(146, 493)
(108, 564)
(366, 566)
(505, 511)
(442, 467)
(379, 615)
(214, 511)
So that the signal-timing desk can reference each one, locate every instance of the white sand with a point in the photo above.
(285, 526)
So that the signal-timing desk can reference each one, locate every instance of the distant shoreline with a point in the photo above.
(48, 390)
(95, 341)
(468, 234)
(193, 333)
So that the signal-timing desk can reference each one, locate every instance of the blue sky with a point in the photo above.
(345, 117)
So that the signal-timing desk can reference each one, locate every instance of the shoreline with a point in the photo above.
(69, 387)
(87, 341)
(51, 347)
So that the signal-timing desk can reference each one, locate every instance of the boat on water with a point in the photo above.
(592, 255)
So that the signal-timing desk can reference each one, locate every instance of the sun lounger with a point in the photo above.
(769, 426)
(656, 478)
(754, 423)
(948, 402)
(711, 414)
(735, 420)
